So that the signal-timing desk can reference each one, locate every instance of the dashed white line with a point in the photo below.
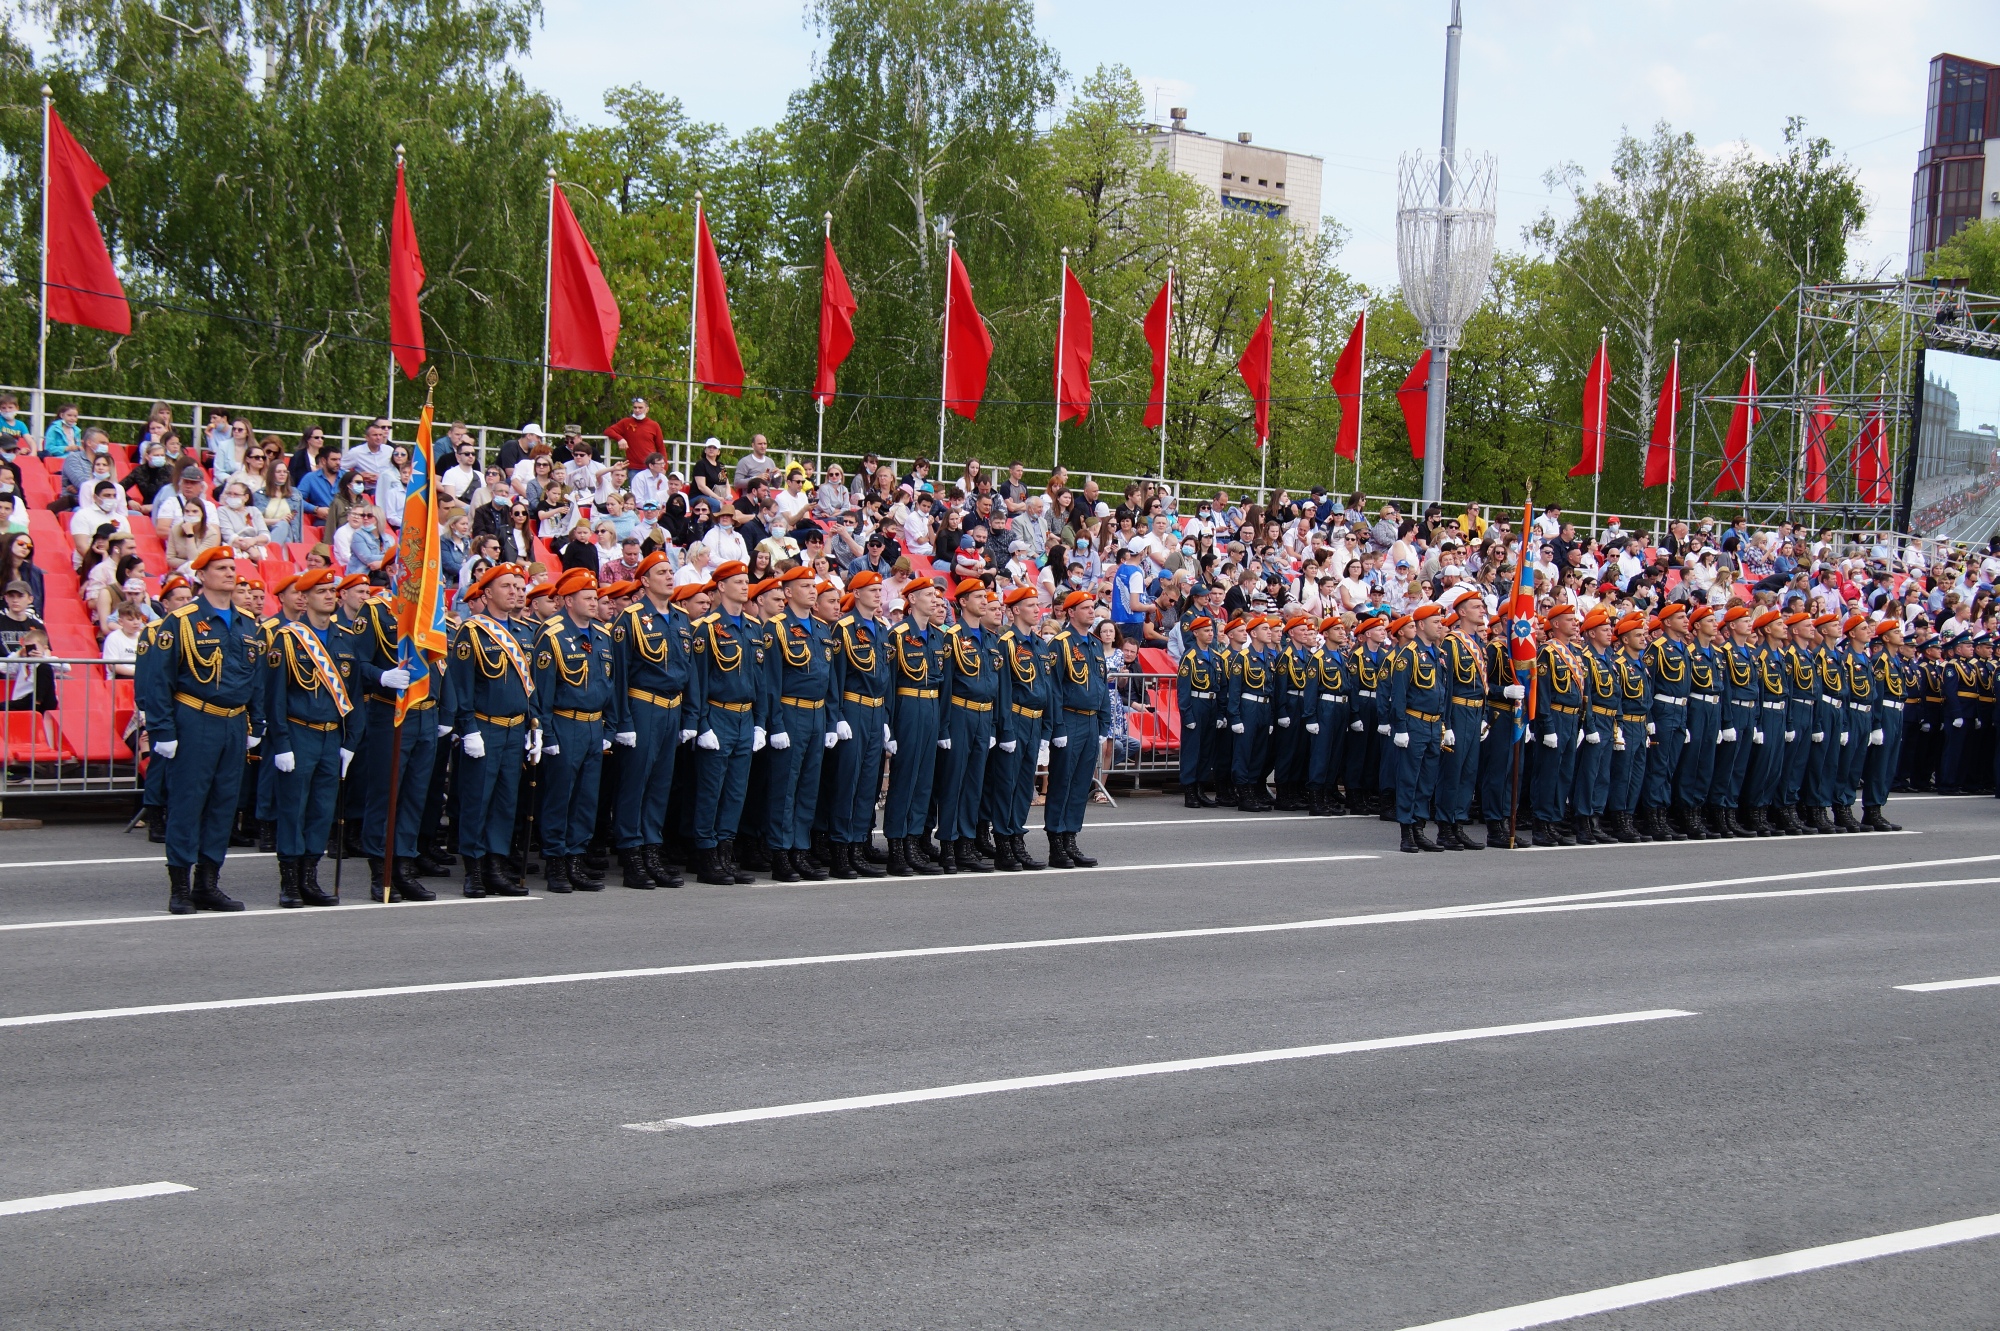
(1939, 986)
(345, 909)
(56, 1201)
(1661, 1288)
(970, 1088)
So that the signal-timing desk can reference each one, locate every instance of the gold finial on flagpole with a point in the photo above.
(430, 384)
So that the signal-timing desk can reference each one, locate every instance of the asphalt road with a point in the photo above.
(460, 1157)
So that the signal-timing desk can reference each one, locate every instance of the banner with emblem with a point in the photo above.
(1521, 609)
(421, 633)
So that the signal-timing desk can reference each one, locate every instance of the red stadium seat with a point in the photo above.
(1167, 706)
(37, 487)
(90, 722)
(1155, 661)
(142, 525)
(22, 741)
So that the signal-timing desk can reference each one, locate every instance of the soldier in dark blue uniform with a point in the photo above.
(1291, 747)
(1858, 717)
(308, 708)
(372, 635)
(1368, 733)
(1737, 684)
(1827, 699)
(1500, 753)
(1417, 701)
(1333, 712)
(1959, 715)
(1198, 685)
(1252, 707)
(1559, 701)
(859, 695)
(1010, 773)
(976, 723)
(1232, 645)
(1590, 789)
(1801, 696)
(1772, 667)
(1635, 722)
(652, 646)
(916, 700)
(801, 667)
(199, 679)
(488, 684)
(291, 606)
(1895, 681)
(725, 693)
(1462, 653)
(1667, 730)
(572, 696)
(1082, 719)
(1697, 770)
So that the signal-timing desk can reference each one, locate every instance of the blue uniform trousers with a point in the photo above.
(1555, 769)
(208, 776)
(1853, 755)
(1197, 728)
(1792, 778)
(1628, 767)
(1698, 760)
(961, 779)
(1070, 770)
(1458, 766)
(648, 775)
(488, 790)
(1732, 760)
(1329, 747)
(794, 799)
(569, 793)
(1253, 746)
(1496, 764)
(857, 765)
(1417, 770)
(1763, 783)
(1664, 758)
(722, 775)
(1878, 769)
(1290, 745)
(1010, 777)
(413, 777)
(156, 781)
(1362, 761)
(267, 799)
(1590, 788)
(305, 795)
(912, 770)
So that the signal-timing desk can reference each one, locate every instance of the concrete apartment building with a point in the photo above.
(1238, 175)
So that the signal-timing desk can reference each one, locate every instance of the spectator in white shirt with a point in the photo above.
(793, 499)
(832, 498)
(105, 504)
(374, 452)
(698, 564)
(121, 645)
(463, 477)
(1550, 524)
(652, 488)
(722, 542)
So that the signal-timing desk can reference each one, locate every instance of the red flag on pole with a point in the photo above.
(406, 279)
(583, 316)
(1819, 428)
(1347, 372)
(1156, 337)
(83, 284)
(718, 365)
(1414, 398)
(836, 324)
(1255, 367)
(1660, 452)
(1871, 459)
(968, 346)
(1073, 355)
(1736, 444)
(1596, 398)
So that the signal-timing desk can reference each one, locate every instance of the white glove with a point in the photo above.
(1236, 726)
(346, 757)
(1726, 735)
(287, 762)
(1450, 739)
(1312, 727)
(781, 741)
(1222, 723)
(1580, 734)
(842, 730)
(443, 731)
(886, 737)
(1791, 735)
(1818, 736)
(1284, 721)
(1592, 737)
(1062, 741)
(1687, 737)
(1357, 726)
(474, 744)
(539, 749)
(165, 748)
(1514, 692)
(1402, 740)
(607, 746)
(396, 678)
(629, 738)
(1552, 740)
(1843, 739)
(1618, 740)
(832, 738)
(534, 746)
(889, 747)
(990, 742)
(1010, 745)
(1484, 730)
(1650, 729)
(1958, 724)
(1875, 737)
(944, 743)
(1925, 727)
(253, 741)
(1756, 737)
(1382, 729)
(708, 741)
(758, 739)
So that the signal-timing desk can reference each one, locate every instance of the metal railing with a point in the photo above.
(70, 726)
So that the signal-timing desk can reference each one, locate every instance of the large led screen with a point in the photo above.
(1953, 479)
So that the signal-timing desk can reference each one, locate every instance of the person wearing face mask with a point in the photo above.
(241, 525)
(352, 492)
(77, 462)
(149, 474)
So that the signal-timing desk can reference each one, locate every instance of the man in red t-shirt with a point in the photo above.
(640, 435)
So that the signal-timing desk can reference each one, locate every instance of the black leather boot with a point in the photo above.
(1465, 843)
(1673, 824)
(809, 869)
(433, 863)
(857, 860)
(969, 858)
(939, 856)
(1542, 836)
(288, 883)
(1059, 852)
(782, 870)
(375, 881)
(556, 867)
(1496, 836)
(710, 868)
(632, 869)
(657, 868)
(871, 852)
(1843, 814)
(156, 824)
(1021, 853)
(1448, 838)
(1877, 821)
(1191, 796)
(596, 858)
(408, 883)
(742, 875)
(208, 893)
(750, 853)
(899, 859)
(474, 885)
(1787, 819)
(1423, 842)
(984, 843)
(499, 882)
(582, 877)
(1409, 842)
(267, 836)
(310, 891)
(1004, 858)
(1076, 855)
(820, 854)
(1208, 799)
(842, 866)
(179, 899)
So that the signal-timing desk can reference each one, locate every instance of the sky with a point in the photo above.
(1544, 82)
(1975, 379)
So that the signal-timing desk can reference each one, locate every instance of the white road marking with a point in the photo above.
(1197, 821)
(1739, 843)
(1443, 913)
(1727, 882)
(1939, 986)
(1662, 1288)
(1147, 1070)
(307, 913)
(1724, 896)
(140, 859)
(55, 1201)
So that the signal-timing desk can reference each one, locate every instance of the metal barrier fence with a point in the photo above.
(69, 727)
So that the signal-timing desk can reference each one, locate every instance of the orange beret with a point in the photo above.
(1597, 618)
(1234, 624)
(1018, 595)
(173, 580)
(966, 585)
(284, 584)
(1734, 613)
(796, 573)
(1298, 621)
(1200, 622)
(731, 569)
(1768, 618)
(757, 589)
(1672, 608)
(822, 587)
(541, 589)
(865, 578)
(479, 584)
(354, 580)
(1398, 624)
(210, 555)
(915, 585)
(1428, 610)
(1797, 617)
(573, 581)
(623, 587)
(1556, 611)
(1075, 599)
(689, 589)
(1853, 622)
(309, 579)
(1329, 622)
(1699, 613)
(1820, 621)
(1634, 622)
(846, 602)
(1372, 622)
(651, 562)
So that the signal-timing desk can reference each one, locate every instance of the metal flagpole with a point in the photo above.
(944, 360)
(392, 348)
(1360, 396)
(548, 301)
(1597, 474)
(1062, 310)
(1673, 432)
(819, 441)
(1166, 371)
(42, 339)
(1264, 444)
(694, 312)
(1749, 440)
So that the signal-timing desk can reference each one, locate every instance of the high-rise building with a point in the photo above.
(1267, 182)
(1958, 170)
